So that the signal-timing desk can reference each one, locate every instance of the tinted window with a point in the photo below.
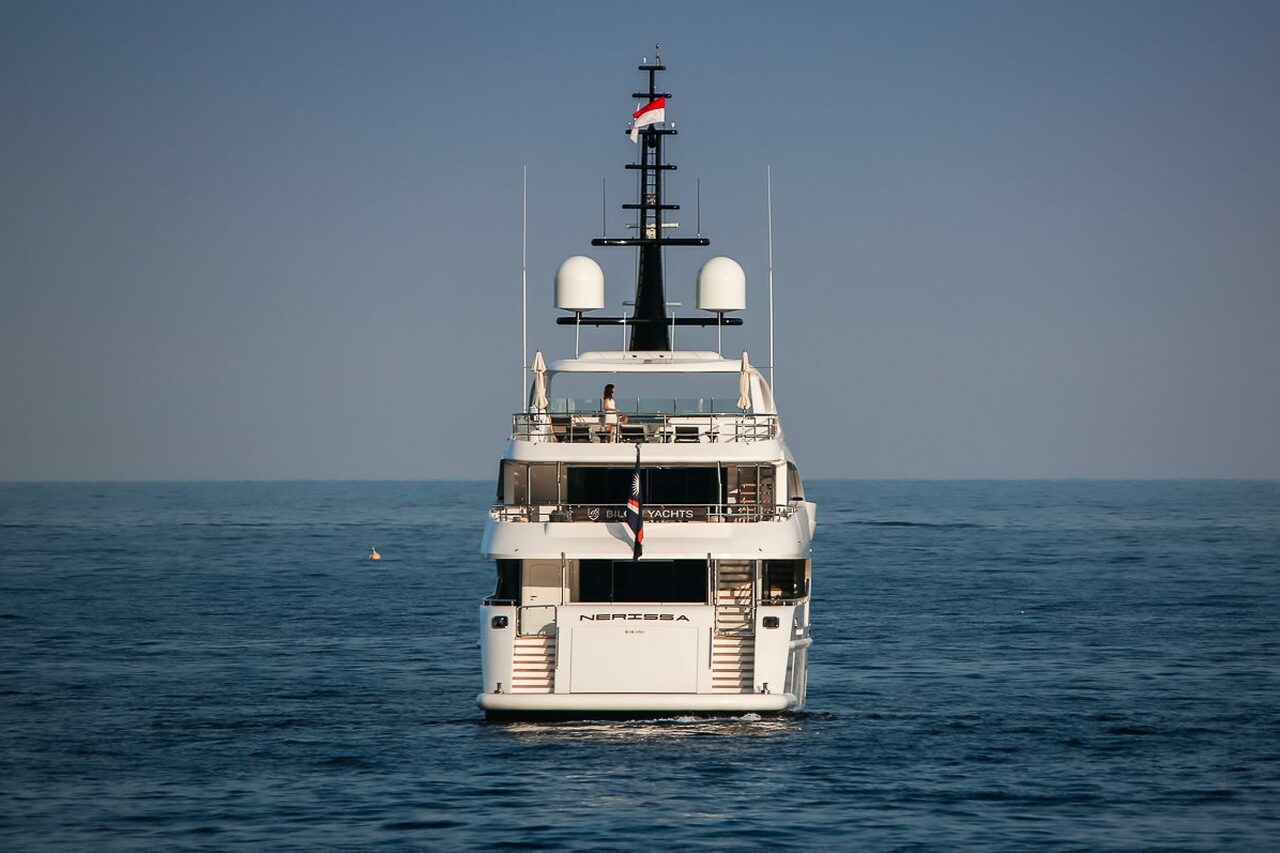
(661, 485)
(654, 581)
(784, 579)
(508, 580)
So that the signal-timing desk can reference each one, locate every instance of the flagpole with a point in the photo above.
(635, 549)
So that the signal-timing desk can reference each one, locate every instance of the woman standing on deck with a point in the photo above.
(610, 409)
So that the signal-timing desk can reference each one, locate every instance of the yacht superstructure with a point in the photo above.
(653, 555)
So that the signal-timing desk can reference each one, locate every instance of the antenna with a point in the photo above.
(768, 182)
(699, 207)
(524, 284)
(604, 205)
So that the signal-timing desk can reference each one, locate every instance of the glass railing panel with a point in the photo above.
(647, 405)
(573, 405)
(572, 424)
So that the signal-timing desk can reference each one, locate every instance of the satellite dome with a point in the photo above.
(579, 285)
(722, 286)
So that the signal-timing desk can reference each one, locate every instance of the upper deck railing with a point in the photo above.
(649, 421)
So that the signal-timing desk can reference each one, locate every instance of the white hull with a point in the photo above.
(733, 656)
(515, 703)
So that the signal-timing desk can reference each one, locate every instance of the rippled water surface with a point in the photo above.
(1000, 665)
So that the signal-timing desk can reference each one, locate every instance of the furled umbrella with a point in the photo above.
(539, 382)
(744, 384)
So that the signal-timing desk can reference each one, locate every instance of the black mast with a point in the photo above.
(650, 326)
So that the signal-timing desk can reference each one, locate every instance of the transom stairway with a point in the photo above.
(533, 666)
(733, 644)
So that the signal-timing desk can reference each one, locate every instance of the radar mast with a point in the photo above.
(650, 325)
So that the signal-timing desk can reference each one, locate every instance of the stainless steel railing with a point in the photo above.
(659, 513)
(648, 428)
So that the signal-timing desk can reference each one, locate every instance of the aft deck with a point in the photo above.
(603, 513)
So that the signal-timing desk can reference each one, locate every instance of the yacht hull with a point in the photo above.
(515, 704)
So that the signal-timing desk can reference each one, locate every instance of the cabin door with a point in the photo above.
(540, 592)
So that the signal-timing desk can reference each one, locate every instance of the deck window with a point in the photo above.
(672, 485)
(795, 486)
(524, 483)
(544, 485)
(784, 579)
(749, 484)
(508, 588)
(650, 581)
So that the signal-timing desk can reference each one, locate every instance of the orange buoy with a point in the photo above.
(373, 553)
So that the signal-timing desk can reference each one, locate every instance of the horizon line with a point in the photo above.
(1032, 479)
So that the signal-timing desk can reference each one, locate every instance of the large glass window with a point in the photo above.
(650, 581)
(749, 484)
(675, 485)
(682, 486)
(523, 483)
(508, 588)
(784, 579)
(795, 487)
(544, 487)
(590, 485)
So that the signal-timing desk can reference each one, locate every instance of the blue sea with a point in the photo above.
(997, 665)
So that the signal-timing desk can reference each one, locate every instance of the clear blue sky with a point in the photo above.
(282, 239)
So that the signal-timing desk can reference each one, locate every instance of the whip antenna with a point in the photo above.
(524, 284)
(768, 182)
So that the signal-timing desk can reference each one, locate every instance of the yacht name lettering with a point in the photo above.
(650, 513)
(632, 617)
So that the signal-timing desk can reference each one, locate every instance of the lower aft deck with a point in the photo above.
(648, 636)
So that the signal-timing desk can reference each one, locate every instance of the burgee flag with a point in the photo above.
(635, 511)
(651, 113)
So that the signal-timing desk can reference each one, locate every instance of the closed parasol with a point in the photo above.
(539, 396)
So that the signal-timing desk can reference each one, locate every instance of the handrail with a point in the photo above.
(783, 600)
(658, 513)
(648, 428)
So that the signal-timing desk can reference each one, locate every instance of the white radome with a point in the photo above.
(579, 285)
(722, 286)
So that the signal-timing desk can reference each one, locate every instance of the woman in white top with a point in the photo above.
(610, 409)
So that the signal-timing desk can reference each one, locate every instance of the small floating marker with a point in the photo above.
(373, 553)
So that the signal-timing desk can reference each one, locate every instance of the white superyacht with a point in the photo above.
(653, 555)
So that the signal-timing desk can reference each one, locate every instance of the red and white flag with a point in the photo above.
(651, 113)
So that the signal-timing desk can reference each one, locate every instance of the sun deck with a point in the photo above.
(746, 415)
(580, 425)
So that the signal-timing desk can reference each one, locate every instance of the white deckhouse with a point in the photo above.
(712, 613)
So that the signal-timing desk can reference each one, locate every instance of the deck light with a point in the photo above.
(501, 622)
(769, 621)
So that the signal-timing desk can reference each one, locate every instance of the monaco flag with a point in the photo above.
(651, 113)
